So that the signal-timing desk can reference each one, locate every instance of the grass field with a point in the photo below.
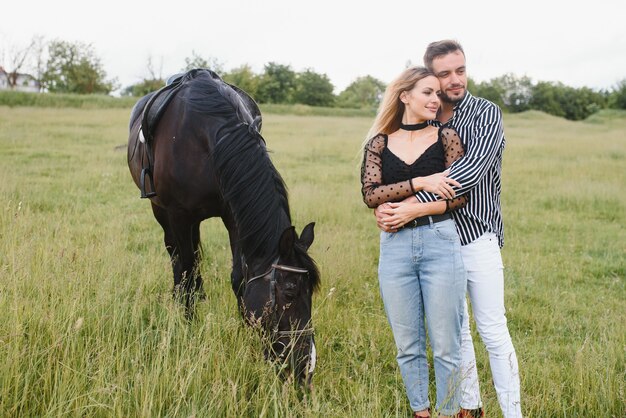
(88, 328)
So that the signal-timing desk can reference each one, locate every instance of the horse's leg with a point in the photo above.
(198, 288)
(168, 237)
(182, 240)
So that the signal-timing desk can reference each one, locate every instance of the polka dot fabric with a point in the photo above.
(386, 178)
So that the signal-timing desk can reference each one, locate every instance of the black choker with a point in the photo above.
(414, 127)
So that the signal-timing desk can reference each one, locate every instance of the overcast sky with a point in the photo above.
(580, 43)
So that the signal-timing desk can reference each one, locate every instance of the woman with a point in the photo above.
(420, 268)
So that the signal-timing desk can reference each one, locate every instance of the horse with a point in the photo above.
(205, 157)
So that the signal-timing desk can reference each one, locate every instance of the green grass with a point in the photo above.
(58, 100)
(305, 110)
(88, 327)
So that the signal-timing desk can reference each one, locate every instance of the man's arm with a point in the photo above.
(482, 150)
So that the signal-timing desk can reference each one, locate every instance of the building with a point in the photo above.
(24, 82)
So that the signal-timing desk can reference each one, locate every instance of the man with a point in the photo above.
(479, 124)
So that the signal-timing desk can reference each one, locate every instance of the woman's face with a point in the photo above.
(422, 101)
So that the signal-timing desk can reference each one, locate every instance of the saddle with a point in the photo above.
(156, 106)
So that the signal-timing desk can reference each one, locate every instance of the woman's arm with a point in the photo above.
(373, 190)
(376, 193)
(391, 216)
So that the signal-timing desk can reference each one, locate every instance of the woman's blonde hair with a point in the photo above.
(391, 109)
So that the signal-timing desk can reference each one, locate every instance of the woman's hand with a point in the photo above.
(381, 212)
(391, 216)
(439, 184)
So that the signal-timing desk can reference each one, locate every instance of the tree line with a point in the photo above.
(517, 94)
(74, 67)
(277, 84)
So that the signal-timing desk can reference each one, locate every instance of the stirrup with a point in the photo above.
(142, 183)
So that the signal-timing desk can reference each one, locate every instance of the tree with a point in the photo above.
(313, 89)
(510, 92)
(149, 84)
(487, 90)
(75, 68)
(579, 103)
(516, 91)
(617, 97)
(39, 59)
(17, 58)
(244, 78)
(568, 102)
(276, 84)
(143, 87)
(364, 92)
(547, 98)
(197, 61)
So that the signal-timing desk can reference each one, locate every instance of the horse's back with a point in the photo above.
(184, 140)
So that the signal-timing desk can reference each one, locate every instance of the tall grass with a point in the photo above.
(88, 327)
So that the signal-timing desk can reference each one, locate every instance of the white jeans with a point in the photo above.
(485, 285)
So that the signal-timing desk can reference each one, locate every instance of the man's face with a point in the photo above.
(450, 70)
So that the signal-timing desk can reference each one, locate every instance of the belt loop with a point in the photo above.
(430, 219)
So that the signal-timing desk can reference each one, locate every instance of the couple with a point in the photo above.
(432, 168)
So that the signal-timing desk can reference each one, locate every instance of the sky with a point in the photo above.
(578, 43)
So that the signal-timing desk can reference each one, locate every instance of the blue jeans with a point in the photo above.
(421, 274)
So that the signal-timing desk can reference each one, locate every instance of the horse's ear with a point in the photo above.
(287, 241)
(307, 236)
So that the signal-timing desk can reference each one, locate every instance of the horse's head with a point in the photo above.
(278, 299)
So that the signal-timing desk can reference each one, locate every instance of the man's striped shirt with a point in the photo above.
(479, 124)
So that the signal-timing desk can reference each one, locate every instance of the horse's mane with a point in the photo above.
(309, 264)
(249, 182)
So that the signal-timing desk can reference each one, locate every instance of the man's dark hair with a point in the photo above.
(440, 48)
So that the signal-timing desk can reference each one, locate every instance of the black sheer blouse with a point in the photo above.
(386, 178)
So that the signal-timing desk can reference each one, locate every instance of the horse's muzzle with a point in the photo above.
(294, 359)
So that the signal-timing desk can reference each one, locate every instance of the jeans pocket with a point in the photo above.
(446, 230)
(386, 237)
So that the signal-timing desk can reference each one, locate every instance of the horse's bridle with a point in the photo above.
(275, 332)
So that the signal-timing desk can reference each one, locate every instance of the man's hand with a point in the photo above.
(438, 183)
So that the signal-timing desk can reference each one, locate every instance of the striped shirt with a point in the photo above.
(479, 124)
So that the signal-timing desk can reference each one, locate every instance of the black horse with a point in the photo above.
(203, 158)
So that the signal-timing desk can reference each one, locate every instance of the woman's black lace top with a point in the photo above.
(386, 178)
(395, 170)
